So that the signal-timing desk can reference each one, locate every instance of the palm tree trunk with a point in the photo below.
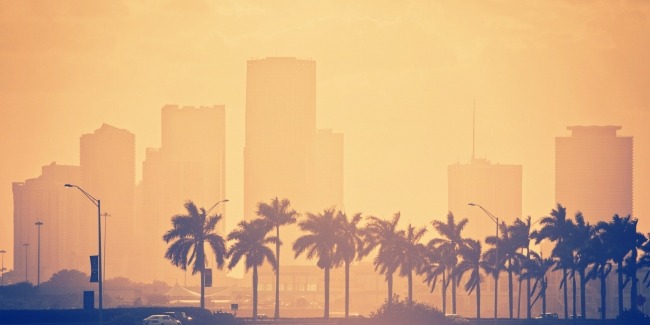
(573, 276)
(347, 289)
(389, 281)
(202, 287)
(519, 298)
(254, 292)
(528, 307)
(327, 293)
(544, 302)
(634, 289)
(510, 300)
(583, 292)
(453, 291)
(410, 285)
(276, 315)
(566, 294)
(603, 296)
(478, 300)
(620, 287)
(443, 288)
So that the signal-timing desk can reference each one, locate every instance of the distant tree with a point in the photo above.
(189, 234)
(250, 242)
(277, 213)
(451, 240)
(383, 235)
(350, 249)
(67, 281)
(321, 239)
(410, 253)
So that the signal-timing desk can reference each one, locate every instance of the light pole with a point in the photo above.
(97, 203)
(26, 245)
(214, 206)
(38, 269)
(2, 269)
(105, 214)
(496, 260)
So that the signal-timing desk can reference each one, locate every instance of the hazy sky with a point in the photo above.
(398, 78)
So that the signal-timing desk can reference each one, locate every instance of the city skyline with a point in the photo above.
(528, 87)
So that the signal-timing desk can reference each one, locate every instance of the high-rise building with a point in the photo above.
(108, 173)
(189, 165)
(593, 172)
(66, 234)
(326, 171)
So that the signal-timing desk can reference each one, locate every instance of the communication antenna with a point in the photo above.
(474, 129)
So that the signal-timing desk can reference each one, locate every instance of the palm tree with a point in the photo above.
(508, 255)
(556, 228)
(190, 233)
(353, 243)
(623, 239)
(383, 234)
(599, 253)
(581, 233)
(321, 240)
(436, 264)
(472, 262)
(451, 241)
(536, 268)
(410, 253)
(277, 214)
(520, 233)
(251, 242)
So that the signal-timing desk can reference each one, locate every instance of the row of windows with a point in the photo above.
(309, 287)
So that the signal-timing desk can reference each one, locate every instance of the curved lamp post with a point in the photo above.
(496, 260)
(97, 203)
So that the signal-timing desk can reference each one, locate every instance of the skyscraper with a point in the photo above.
(280, 130)
(108, 173)
(593, 172)
(190, 165)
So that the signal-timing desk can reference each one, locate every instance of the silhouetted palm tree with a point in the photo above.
(190, 233)
(451, 241)
(509, 257)
(556, 228)
(383, 234)
(410, 253)
(351, 248)
(599, 253)
(520, 233)
(277, 214)
(536, 269)
(472, 262)
(581, 234)
(251, 242)
(321, 240)
(623, 239)
(437, 261)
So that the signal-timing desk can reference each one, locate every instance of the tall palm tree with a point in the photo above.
(472, 262)
(450, 241)
(278, 213)
(581, 234)
(599, 253)
(623, 239)
(383, 235)
(436, 264)
(536, 269)
(321, 240)
(410, 253)
(556, 229)
(190, 233)
(351, 248)
(509, 257)
(520, 232)
(251, 240)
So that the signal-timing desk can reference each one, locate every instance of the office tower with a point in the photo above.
(66, 234)
(189, 165)
(280, 130)
(108, 173)
(593, 172)
(326, 172)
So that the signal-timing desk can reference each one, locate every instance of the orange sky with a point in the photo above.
(398, 78)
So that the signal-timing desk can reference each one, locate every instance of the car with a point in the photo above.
(179, 315)
(160, 320)
(547, 316)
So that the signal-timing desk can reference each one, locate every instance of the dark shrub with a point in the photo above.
(403, 312)
(635, 317)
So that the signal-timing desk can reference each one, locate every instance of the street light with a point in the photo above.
(214, 206)
(38, 272)
(496, 261)
(2, 269)
(26, 245)
(97, 203)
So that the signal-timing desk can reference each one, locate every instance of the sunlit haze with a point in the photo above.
(402, 81)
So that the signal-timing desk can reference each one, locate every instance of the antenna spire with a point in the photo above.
(474, 129)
